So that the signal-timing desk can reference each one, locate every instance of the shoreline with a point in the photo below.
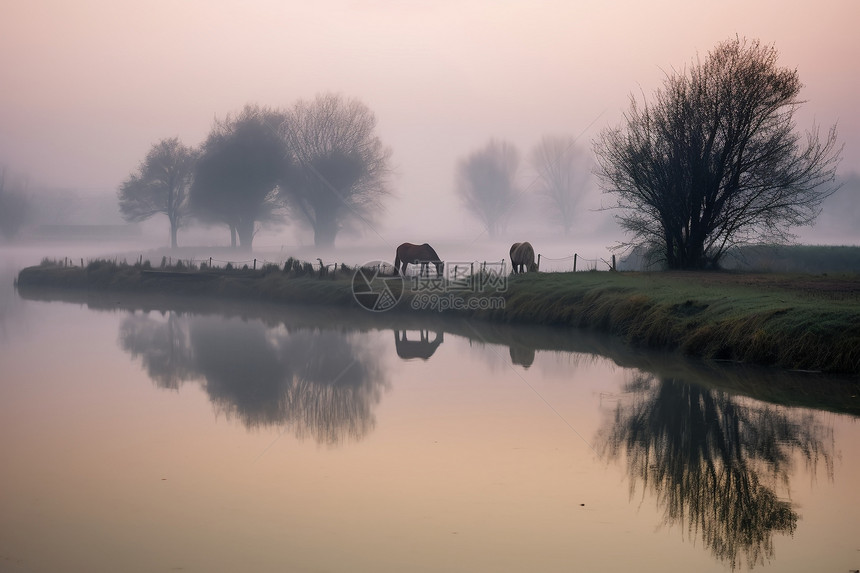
(789, 321)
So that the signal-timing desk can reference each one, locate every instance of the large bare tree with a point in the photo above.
(563, 172)
(486, 183)
(160, 185)
(340, 172)
(241, 164)
(714, 160)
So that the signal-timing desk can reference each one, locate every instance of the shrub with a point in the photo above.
(101, 264)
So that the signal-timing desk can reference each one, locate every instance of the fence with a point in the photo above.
(574, 263)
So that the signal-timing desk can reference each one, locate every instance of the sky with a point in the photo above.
(89, 85)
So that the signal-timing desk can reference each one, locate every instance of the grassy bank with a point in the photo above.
(792, 321)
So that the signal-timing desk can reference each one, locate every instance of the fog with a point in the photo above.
(89, 86)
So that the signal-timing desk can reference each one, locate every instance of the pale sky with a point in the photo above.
(87, 86)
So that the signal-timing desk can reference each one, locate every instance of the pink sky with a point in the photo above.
(88, 86)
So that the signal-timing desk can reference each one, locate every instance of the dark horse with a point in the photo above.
(523, 258)
(407, 254)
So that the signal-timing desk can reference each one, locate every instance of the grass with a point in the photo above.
(791, 321)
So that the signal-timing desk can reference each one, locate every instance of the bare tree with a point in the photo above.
(486, 183)
(340, 165)
(240, 166)
(714, 161)
(160, 185)
(563, 172)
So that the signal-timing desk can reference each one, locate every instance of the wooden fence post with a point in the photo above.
(613, 262)
(574, 262)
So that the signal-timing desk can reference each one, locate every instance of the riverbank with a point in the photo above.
(789, 321)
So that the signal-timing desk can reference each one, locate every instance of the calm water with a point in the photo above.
(139, 434)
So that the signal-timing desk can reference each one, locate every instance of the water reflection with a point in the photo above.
(714, 461)
(521, 354)
(702, 439)
(322, 384)
(422, 348)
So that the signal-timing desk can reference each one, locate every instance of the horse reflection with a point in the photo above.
(522, 355)
(422, 348)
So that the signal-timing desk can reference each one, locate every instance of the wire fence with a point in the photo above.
(569, 263)
(574, 263)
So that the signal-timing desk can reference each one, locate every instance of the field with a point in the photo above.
(793, 321)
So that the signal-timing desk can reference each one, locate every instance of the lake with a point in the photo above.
(148, 434)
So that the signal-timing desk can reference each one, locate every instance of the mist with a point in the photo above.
(91, 86)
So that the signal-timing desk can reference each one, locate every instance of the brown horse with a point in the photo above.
(523, 258)
(407, 254)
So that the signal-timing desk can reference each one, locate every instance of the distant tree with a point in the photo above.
(563, 172)
(15, 207)
(486, 183)
(340, 165)
(714, 161)
(240, 166)
(160, 185)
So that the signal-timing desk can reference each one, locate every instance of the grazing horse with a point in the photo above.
(407, 254)
(523, 258)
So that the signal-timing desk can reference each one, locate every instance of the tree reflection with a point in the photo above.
(162, 347)
(714, 462)
(321, 384)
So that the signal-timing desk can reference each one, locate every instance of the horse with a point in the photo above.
(523, 258)
(407, 253)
